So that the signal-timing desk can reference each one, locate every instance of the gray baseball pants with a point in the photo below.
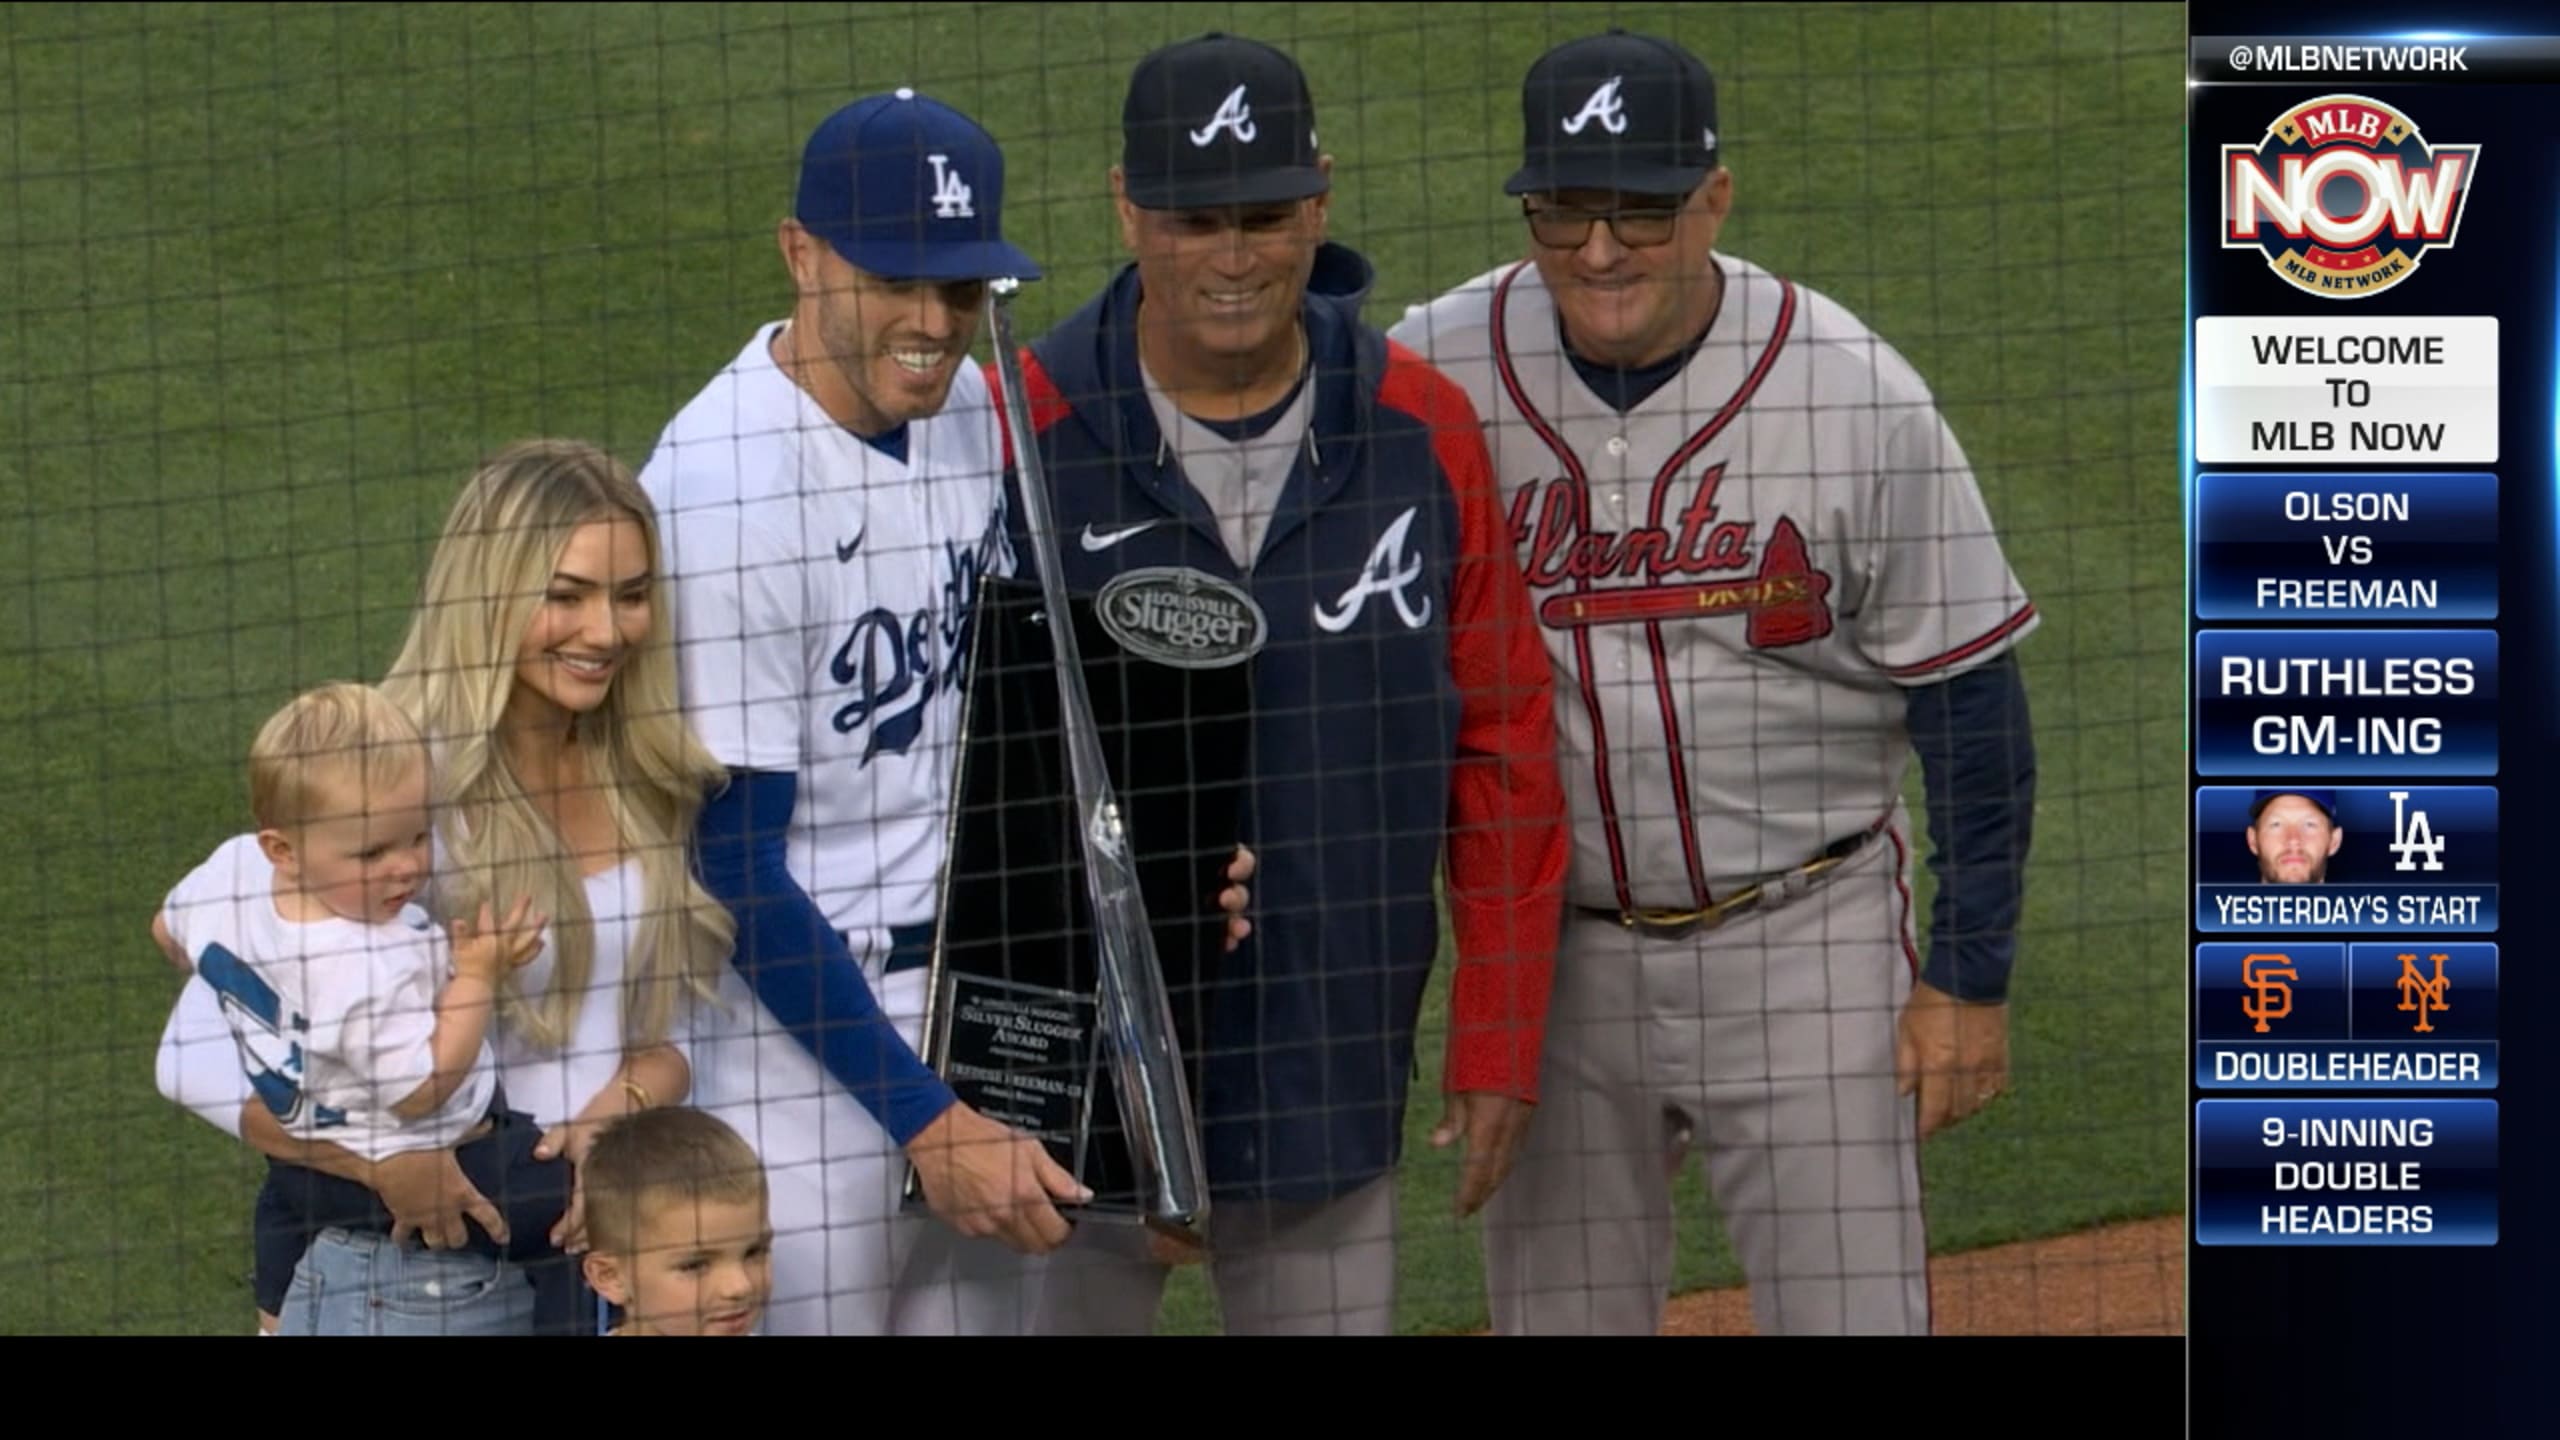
(1767, 1043)
(1277, 1269)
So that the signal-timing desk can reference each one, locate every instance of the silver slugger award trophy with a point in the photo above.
(1051, 959)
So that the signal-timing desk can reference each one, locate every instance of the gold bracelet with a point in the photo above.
(634, 1090)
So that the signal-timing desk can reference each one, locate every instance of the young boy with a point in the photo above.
(357, 1022)
(677, 1232)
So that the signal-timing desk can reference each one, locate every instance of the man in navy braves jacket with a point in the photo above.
(1222, 409)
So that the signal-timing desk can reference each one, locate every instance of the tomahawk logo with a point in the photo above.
(1387, 572)
(1233, 115)
(950, 192)
(2343, 197)
(1603, 106)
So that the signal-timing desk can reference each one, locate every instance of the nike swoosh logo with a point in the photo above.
(845, 548)
(1096, 541)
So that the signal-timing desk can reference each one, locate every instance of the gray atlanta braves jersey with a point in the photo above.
(1736, 579)
(820, 589)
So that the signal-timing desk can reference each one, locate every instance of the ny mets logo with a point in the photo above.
(2271, 997)
(2343, 197)
(2423, 993)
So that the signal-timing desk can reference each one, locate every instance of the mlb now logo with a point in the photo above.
(2342, 194)
(2417, 204)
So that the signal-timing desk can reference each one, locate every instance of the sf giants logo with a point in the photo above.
(1693, 570)
(2343, 197)
(2270, 997)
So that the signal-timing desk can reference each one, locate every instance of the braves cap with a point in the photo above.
(1616, 112)
(2327, 800)
(1218, 120)
(908, 188)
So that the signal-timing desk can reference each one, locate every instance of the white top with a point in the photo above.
(199, 1059)
(333, 1020)
(820, 588)
(553, 1085)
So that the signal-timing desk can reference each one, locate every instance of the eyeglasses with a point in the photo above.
(1568, 227)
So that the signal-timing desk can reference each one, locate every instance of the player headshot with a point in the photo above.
(2294, 834)
(1767, 583)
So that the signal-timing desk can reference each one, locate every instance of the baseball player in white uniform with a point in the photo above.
(829, 502)
(1766, 578)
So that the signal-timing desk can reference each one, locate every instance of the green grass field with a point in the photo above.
(277, 276)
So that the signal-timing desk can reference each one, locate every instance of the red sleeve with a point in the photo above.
(1508, 837)
(995, 392)
(1048, 407)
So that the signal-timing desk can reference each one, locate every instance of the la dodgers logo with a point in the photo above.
(2343, 197)
(1388, 572)
(950, 193)
(1233, 115)
(895, 665)
(1603, 106)
(267, 1036)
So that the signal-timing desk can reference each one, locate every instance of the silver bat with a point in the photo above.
(1155, 1098)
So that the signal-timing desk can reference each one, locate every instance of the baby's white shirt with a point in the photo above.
(335, 1020)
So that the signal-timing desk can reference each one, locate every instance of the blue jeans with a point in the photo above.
(351, 1283)
(532, 1194)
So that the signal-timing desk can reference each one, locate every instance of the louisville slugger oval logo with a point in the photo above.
(2343, 197)
(1180, 617)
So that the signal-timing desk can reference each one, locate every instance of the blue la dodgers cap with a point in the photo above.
(2327, 800)
(907, 188)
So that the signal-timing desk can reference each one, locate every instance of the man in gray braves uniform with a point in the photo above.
(1765, 578)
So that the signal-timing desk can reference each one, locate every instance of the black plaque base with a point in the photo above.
(1015, 1025)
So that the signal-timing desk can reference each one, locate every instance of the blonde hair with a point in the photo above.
(328, 749)
(656, 1156)
(456, 672)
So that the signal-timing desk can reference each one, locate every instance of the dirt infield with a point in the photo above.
(2127, 1279)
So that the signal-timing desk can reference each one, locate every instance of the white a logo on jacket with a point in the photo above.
(1385, 573)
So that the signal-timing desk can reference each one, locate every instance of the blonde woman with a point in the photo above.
(540, 665)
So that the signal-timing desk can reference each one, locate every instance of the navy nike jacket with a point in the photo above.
(1402, 717)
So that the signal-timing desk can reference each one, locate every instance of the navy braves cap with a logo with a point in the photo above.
(1616, 112)
(1218, 120)
(908, 188)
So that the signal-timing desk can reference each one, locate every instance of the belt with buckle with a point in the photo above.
(1786, 885)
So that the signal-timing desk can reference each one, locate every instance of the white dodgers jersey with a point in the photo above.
(1735, 579)
(821, 592)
